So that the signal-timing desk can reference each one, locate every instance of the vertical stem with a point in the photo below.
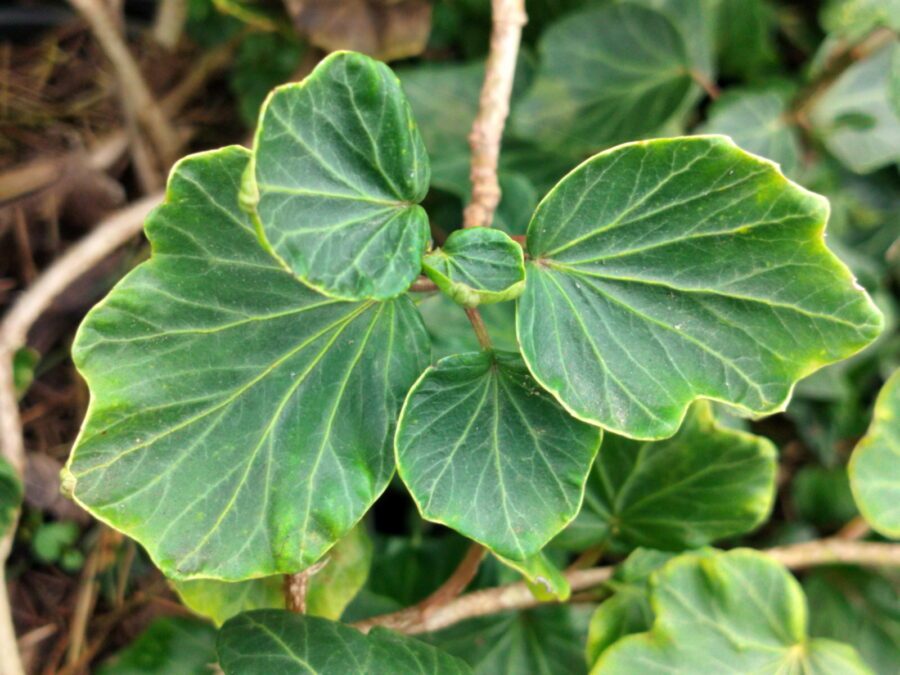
(480, 329)
(171, 16)
(131, 82)
(493, 108)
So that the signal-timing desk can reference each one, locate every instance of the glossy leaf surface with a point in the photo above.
(875, 464)
(703, 484)
(669, 270)
(735, 612)
(240, 423)
(269, 641)
(485, 451)
(339, 169)
(606, 75)
(477, 266)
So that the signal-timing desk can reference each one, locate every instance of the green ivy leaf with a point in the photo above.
(339, 168)
(875, 464)
(170, 646)
(858, 606)
(10, 494)
(758, 121)
(855, 117)
(738, 610)
(670, 270)
(746, 37)
(628, 610)
(329, 592)
(221, 600)
(607, 75)
(240, 423)
(695, 21)
(268, 641)
(703, 484)
(485, 451)
(477, 266)
(334, 586)
(543, 641)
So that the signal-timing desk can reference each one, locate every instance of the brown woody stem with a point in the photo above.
(493, 109)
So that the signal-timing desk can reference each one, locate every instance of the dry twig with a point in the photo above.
(493, 109)
(517, 596)
(134, 89)
(109, 235)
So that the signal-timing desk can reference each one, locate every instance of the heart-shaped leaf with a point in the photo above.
(669, 270)
(485, 451)
(738, 611)
(704, 483)
(477, 266)
(875, 464)
(607, 75)
(269, 641)
(240, 423)
(339, 168)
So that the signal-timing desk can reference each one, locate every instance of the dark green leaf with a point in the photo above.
(544, 641)
(855, 117)
(737, 612)
(607, 75)
(485, 451)
(857, 606)
(25, 360)
(170, 646)
(703, 484)
(240, 423)
(695, 21)
(10, 494)
(745, 37)
(477, 266)
(875, 464)
(628, 610)
(339, 168)
(822, 496)
(669, 270)
(758, 121)
(262, 61)
(269, 641)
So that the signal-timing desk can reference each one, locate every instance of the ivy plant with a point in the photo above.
(259, 381)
